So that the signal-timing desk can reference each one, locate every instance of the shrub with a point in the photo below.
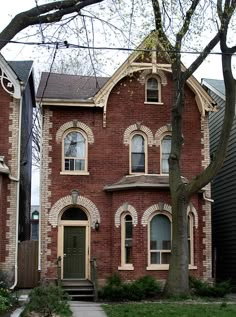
(115, 290)
(206, 290)
(7, 300)
(47, 300)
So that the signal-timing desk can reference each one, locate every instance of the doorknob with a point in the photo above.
(64, 255)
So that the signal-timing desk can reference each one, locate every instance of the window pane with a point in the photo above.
(74, 214)
(128, 255)
(138, 162)
(166, 148)
(137, 144)
(160, 233)
(152, 90)
(155, 257)
(74, 145)
(165, 258)
(128, 230)
(79, 165)
(152, 83)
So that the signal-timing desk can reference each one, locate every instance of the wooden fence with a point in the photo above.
(28, 276)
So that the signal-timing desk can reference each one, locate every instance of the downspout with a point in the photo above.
(17, 179)
(207, 198)
(40, 192)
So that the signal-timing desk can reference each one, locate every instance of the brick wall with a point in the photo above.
(9, 129)
(108, 162)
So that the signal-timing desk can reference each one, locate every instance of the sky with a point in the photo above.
(211, 68)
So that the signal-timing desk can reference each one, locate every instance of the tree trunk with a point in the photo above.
(177, 281)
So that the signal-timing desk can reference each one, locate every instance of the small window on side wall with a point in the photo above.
(74, 152)
(138, 159)
(152, 90)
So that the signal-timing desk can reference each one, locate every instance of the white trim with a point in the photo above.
(154, 103)
(60, 247)
(11, 76)
(85, 158)
(126, 267)
(213, 89)
(145, 152)
(74, 173)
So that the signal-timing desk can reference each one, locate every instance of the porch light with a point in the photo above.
(97, 225)
(74, 196)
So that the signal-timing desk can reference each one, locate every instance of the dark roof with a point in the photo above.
(141, 181)
(74, 87)
(217, 84)
(22, 69)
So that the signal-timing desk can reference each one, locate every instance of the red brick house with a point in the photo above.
(105, 186)
(17, 99)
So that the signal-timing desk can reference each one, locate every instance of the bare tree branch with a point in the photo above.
(42, 14)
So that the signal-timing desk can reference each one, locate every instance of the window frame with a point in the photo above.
(191, 238)
(157, 266)
(145, 153)
(124, 265)
(159, 102)
(161, 151)
(191, 266)
(75, 172)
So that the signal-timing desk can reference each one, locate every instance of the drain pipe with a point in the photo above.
(17, 179)
(40, 193)
(207, 198)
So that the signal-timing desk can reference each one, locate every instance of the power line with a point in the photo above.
(65, 45)
(38, 109)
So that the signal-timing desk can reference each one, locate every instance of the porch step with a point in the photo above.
(79, 289)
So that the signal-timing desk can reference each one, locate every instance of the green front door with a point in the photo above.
(74, 252)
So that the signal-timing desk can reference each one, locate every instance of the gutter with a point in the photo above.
(17, 179)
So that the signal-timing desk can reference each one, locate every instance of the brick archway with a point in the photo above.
(66, 201)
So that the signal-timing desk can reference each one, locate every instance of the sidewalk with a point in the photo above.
(79, 309)
(86, 309)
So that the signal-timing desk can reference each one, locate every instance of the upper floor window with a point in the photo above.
(152, 90)
(165, 153)
(160, 240)
(138, 151)
(75, 152)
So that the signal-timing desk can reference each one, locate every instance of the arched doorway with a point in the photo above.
(74, 241)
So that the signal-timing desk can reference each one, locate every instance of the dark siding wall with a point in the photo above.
(26, 160)
(224, 206)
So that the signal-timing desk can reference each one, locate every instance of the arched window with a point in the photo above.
(74, 213)
(152, 90)
(138, 151)
(165, 153)
(75, 152)
(126, 241)
(160, 240)
(190, 239)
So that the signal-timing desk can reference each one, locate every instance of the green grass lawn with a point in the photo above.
(170, 310)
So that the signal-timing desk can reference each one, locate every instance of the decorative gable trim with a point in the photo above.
(9, 80)
(203, 100)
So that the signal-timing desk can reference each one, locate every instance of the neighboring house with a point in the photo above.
(17, 100)
(34, 220)
(223, 191)
(105, 185)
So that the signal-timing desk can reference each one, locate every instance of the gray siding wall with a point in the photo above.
(224, 195)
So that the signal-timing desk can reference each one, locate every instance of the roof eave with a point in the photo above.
(66, 102)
